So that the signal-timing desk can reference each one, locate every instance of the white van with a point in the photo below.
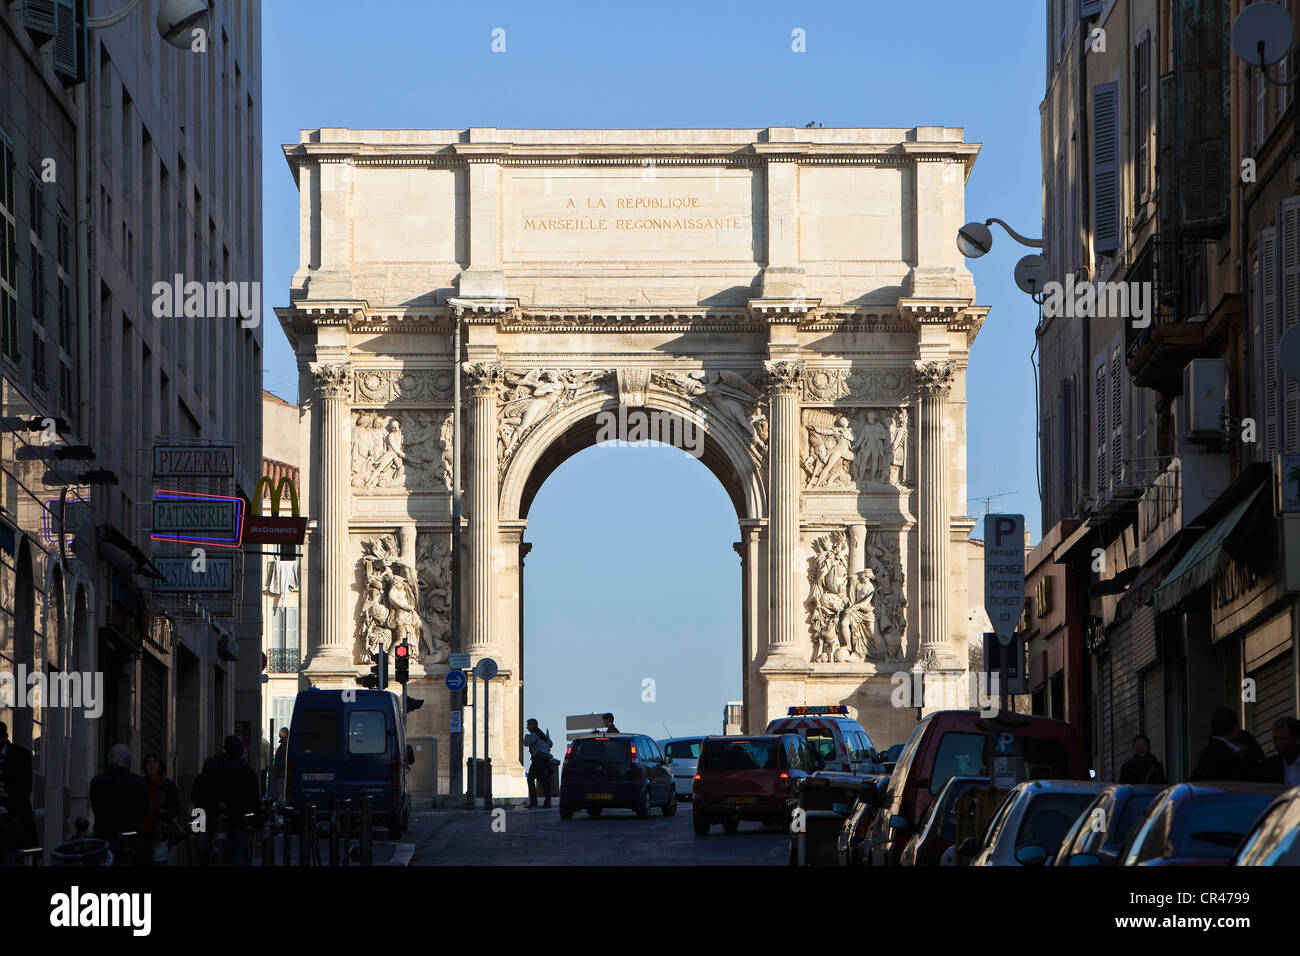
(836, 738)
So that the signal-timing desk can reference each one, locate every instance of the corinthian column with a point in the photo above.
(784, 382)
(933, 381)
(484, 381)
(334, 383)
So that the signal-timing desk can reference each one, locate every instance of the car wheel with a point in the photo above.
(730, 825)
(566, 813)
(594, 811)
(643, 808)
(701, 824)
(670, 808)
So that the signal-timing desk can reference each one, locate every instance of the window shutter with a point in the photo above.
(1067, 447)
(1105, 167)
(1089, 9)
(291, 627)
(1166, 169)
(1288, 311)
(1201, 41)
(1116, 420)
(40, 19)
(1142, 118)
(1266, 325)
(1100, 411)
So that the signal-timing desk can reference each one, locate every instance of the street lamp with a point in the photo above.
(177, 19)
(1262, 35)
(975, 239)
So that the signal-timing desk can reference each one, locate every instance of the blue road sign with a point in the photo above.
(455, 681)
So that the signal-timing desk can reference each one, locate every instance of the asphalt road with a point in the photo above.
(617, 838)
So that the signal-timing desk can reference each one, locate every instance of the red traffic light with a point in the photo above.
(402, 650)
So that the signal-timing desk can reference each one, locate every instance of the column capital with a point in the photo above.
(784, 377)
(333, 380)
(483, 378)
(934, 378)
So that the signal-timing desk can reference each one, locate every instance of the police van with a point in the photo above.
(835, 738)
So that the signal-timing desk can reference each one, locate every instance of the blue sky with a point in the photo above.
(612, 598)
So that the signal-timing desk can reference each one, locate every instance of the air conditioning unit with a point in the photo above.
(1203, 400)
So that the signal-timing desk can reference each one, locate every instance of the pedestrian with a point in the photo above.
(159, 827)
(609, 725)
(277, 766)
(1142, 767)
(1229, 753)
(17, 819)
(539, 769)
(226, 789)
(1284, 766)
(119, 801)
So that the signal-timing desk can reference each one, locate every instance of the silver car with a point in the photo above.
(685, 755)
(1029, 827)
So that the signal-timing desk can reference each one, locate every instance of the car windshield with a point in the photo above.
(1213, 828)
(963, 754)
(1128, 817)
(317, 732)
(1048, 817)
(860, 748)
(821, 742)
(683, 749)
(607, 750)
(740, 755)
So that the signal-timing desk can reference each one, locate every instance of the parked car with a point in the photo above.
(889, 758)
(684, 752)
(1275, 838)
(837, 740)
(1105, 825)
(748, 778)
(850, 845)
(952, 743)
(1198, 824)
(824, 802)
(616, 771)
(939, 831)
(1033, 820)
(344, 747)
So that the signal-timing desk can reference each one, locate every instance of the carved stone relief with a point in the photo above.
(390, 612)
(408, 450)
(861, 615)
(528, 397)
(854, 447)
(384, 386)
(730, 396)
(433, 566)
(856, 385)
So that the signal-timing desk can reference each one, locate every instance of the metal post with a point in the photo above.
(288, 837)
(473, 738)
(456, 750)
(268, 833)
(487, 748)
(367, 851)
(334, 830)
(347, 830)
(308, 820)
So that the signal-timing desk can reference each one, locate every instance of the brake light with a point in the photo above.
(634, 756)
(568, 752)
(784, 775)
(695, 783)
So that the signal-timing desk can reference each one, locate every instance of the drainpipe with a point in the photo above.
(82, 424)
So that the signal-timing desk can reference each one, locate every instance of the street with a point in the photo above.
(617, 838)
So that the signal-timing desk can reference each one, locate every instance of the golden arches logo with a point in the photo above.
(276, 490)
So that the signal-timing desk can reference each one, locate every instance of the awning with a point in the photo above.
(1198, 565)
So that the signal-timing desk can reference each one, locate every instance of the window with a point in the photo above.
(1048, 817)
(318, 732)
(8, 255)
(960, 755)
(1116, 419)
(1105, 168)
(40, 370)
(284, 628)
(1141, 118)
(35, 204)
(759, 754)
(683, 749)
(1100, 408)
(367, 732)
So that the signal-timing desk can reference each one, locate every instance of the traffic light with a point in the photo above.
(402, 662)
(377, 679)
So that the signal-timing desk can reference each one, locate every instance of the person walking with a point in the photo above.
(159, 825)
(1229, 754)
(1284, 766)
(119, 801)
(609, 725)
(17, 819)
(277, 766)
(226, 789)
(1142, 767)
(539, 769)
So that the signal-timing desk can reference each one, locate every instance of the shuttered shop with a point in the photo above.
(153, 706)
(1270, 663)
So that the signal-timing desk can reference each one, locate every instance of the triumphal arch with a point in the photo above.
(796, 294)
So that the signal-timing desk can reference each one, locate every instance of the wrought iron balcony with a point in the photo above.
(284, 660)
(1178, 269)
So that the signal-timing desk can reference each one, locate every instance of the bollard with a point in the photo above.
(286, 827)
(305, 849)
(367, 854)
(268, 833)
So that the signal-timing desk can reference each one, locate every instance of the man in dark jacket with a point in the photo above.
(17, 822)
(278, 765)
(229, 783)
(119, 801)
(1142, 767)
(1284, 766)
(1229, 755)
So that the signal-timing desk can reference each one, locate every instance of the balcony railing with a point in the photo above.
(284, 660)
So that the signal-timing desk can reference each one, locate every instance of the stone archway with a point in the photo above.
(795, 292)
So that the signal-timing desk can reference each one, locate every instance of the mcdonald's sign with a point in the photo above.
(261, 529)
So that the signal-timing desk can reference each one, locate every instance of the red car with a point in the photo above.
(1198, 824)
(748, 778)
(952, 743)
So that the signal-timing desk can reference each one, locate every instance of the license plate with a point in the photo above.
(742, 799)
(318, 777)
(600, 796)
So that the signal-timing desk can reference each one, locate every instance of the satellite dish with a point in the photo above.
(1031, 274)
(1288, 352)
(974, 239)
(1261, 34)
